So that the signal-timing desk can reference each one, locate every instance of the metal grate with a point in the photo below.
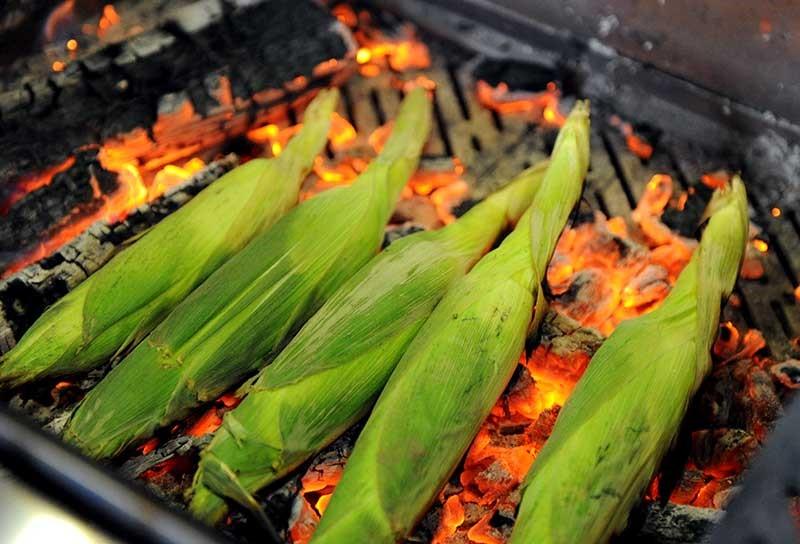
(493, 149)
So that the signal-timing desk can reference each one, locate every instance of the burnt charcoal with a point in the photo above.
(517, 75)
(765, 510)
(32, 216)
(687, 221)
(417, 210)
(671, 524)
(740, 395)
(723, 452)
(689, 485)
(787, 373)
(260, 38)
(24, 296)
(182, 445)
(565, 336)
(23, 303)
(261, 44)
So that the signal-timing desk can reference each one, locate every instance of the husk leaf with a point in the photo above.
(121, 303)
(331, 372)
(622, 416)
(455, 368)
(239, 318)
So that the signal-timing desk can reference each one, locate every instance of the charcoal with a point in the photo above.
(723, 452)
(517, 75)
(117, 88)
(565, 336)
(740, 395)
(673, 524)
(40, 211)
(686, 222)
(787, 373)
(133, 468)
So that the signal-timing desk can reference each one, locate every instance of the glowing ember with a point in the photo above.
(212, 418)
(131, 193)
(636, 144)
(378, 51)
(716, 180)
(776, 212)
(752, 266)
(109, 18)
(149, 164)
(601, 274)
(601, 277)
(148, 446)
(541, 107)
(32, 183)
(317, 487)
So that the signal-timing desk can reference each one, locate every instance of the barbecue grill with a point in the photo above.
(103, 138)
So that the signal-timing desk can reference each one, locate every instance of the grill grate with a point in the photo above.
(493, 149)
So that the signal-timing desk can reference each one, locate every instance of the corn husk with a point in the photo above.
(456, 367)
(239, 319)
(331, 372)
(622, 416)
(121, 303)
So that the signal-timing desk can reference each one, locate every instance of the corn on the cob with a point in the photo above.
(121, 303)
(625, 411)
(239, 318)
(456, 367)
(328, 375)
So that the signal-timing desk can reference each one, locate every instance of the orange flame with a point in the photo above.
(541, 107)
(378, 51)
(636, 144)
(132, 191)
(32, 183)
(716, 180)
(109, 18)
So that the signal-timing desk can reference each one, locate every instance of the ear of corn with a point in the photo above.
(625, 411)
(122, 302)
(455, 368)
(240, 317)
(329, 374)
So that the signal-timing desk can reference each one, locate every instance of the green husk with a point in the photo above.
(239, 318)
(121, 303)
(456, 367)
(331, 372)
(622, 416)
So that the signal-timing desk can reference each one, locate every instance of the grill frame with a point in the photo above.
(494, 148)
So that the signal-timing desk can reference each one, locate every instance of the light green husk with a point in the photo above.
(331, 372)
(456, 367)
(625, 411)
(239, 318)
(121, 303)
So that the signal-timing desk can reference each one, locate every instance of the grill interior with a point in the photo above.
(492, 148)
